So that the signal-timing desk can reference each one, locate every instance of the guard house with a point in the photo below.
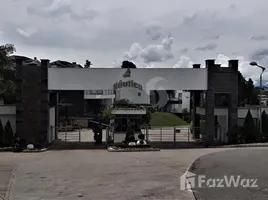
(39, 88)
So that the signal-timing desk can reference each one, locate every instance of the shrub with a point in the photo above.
(235, 135)
(249, 128)
(8, 134)
(141, 136)
(129, 135)
(264, 136)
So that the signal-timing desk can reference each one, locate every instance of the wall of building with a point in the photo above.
(32, 102)
(149, 78)
(135, 95)
(186, 100)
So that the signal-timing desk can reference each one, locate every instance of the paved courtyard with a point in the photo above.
(98, 174)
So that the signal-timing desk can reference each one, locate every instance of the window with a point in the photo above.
(139, 94)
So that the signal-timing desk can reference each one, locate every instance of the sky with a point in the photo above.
(150, 33)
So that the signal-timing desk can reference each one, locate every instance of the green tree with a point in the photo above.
(249, 128)
(146, 119)
(8, 134)
(264, 126)
(7, 74)
(247, 92)
(1, 133)
(252, 93)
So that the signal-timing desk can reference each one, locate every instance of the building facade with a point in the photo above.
(75, 91)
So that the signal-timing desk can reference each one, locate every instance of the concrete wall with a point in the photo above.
(149, 78)
(132, 94)
(8, 112)
(186, 100)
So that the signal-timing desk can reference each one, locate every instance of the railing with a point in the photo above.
(168, 134)
(79, 134)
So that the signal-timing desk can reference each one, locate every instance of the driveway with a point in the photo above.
(102, 175)
(250, 164)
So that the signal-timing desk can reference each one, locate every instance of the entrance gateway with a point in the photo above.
(38, 89)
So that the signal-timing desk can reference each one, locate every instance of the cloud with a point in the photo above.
(134, 51)
(184, 62)
(151, 53)
(259, 37)
(212, 37)
(259, 55)
(153, 29)
(232, 7)
(208, 47)
(184, 50)
(244, 67)
(59, 8)
(189, 19)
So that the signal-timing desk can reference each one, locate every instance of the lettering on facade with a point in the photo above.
(131, 84)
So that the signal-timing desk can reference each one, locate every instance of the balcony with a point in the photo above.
(174, 100)
(99, 94)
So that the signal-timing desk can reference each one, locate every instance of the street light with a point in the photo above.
(253, 63)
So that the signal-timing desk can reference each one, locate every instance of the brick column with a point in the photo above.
(233, 100)
(210, 104)
(196, 102)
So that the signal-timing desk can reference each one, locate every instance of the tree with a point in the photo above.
(249, 128)
(247, 92)
(8, 133)
(7, 74)
(127, 64)
(264, 126)
(146, 119)
(1, 133)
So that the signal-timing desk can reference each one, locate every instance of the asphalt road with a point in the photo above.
(99, 174)
(248, 163)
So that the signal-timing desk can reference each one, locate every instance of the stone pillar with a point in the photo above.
(210, 104)
(233, 99)
(45, 101)
(19, 99)
(196, 117)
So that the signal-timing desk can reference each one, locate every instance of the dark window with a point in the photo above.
(139, 94)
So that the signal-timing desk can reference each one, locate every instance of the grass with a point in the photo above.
(166, 119)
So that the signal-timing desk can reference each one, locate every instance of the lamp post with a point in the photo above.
(253, 63)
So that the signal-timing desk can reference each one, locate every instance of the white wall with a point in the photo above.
(186, 100)
(149, 78)
(132, 95)
(8, 113)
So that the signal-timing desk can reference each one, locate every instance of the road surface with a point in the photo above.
(98, 174)
(250, 164)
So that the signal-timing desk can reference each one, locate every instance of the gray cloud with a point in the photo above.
(259, 37)
(154, 30)
(184, 50)
(259, 55)
(212, 37)
(232, 7)
(60, 8)
(208, 47)
(189, 19)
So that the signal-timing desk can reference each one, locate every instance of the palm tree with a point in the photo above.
(7, 74)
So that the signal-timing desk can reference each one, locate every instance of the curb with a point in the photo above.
(192, 194)
(10, 184)
(133, 150)
(246, 145)
(6, 149)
